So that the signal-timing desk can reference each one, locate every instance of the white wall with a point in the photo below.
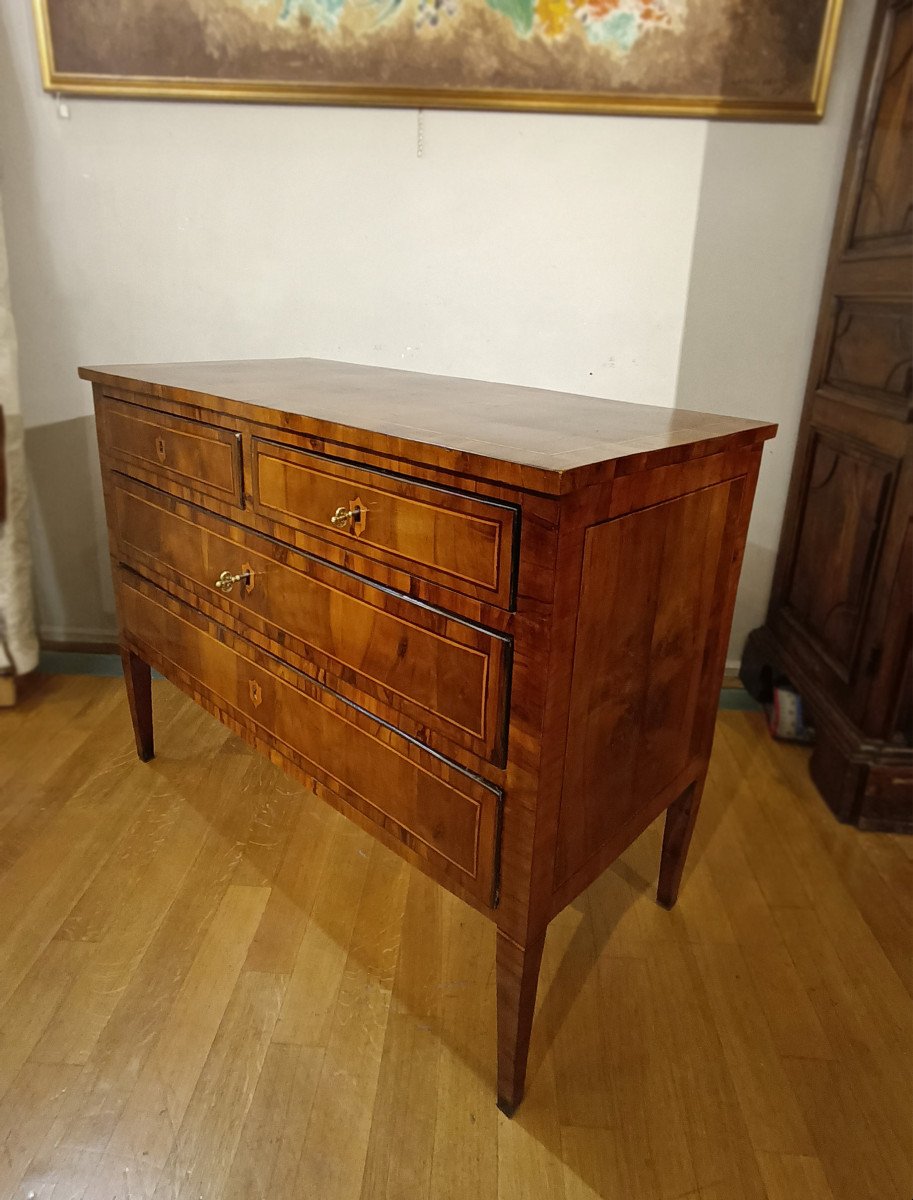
(531, 248)
(765, 214)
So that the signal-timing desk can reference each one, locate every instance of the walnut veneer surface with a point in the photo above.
(486, 623)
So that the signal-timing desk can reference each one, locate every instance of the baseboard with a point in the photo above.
(92, 639)
(79, 662)
(72, 646)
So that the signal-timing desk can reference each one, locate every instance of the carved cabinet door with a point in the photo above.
(839, 603)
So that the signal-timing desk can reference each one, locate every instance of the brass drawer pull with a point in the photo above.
(227, 581)
(354, 516)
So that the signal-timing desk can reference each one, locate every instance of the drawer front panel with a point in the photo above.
(446, 815)
(191, 453)
(460, 541)
(444, 674)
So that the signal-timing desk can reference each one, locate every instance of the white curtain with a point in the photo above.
(18, 643)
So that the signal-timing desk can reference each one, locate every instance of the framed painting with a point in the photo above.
(762, 59)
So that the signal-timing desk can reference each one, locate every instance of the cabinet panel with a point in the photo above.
(889, 712)
(646, 629)
(843, 519)
(885, 208)
(872, 351)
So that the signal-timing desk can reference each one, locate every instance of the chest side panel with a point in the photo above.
(657, 589)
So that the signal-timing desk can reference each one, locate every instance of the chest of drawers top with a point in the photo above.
(539, 440)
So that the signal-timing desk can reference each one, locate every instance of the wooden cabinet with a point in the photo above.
(486, 623)
(840, 623)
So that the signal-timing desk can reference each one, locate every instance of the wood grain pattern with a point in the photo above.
(138, 682)
(204, 458)
(847, 493)
(525, 437)
(445, 674)
(872, 351)
(442, 812)
(431, 664)
(468, 542)
(681, 817)
(539, 515)
(884, 208)
(644, 618)
(754, 1044)
(838, 626)
(518, 980)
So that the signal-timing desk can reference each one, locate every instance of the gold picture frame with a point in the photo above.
(801, 104)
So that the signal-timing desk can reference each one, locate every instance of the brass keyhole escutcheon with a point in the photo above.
(352, 517)
(160, 449)
(256, 693)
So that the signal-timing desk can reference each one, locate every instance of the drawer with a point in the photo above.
(420, 666)
(447, 816)
(448, 537)
(201, 457)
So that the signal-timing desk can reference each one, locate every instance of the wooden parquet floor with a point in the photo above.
(214, 986)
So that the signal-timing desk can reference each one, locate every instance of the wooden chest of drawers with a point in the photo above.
(487, 623)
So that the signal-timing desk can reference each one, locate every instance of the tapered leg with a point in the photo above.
(518, 977)
(680, 818)
(138, 678)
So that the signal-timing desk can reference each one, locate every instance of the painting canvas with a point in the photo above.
(742, 58)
